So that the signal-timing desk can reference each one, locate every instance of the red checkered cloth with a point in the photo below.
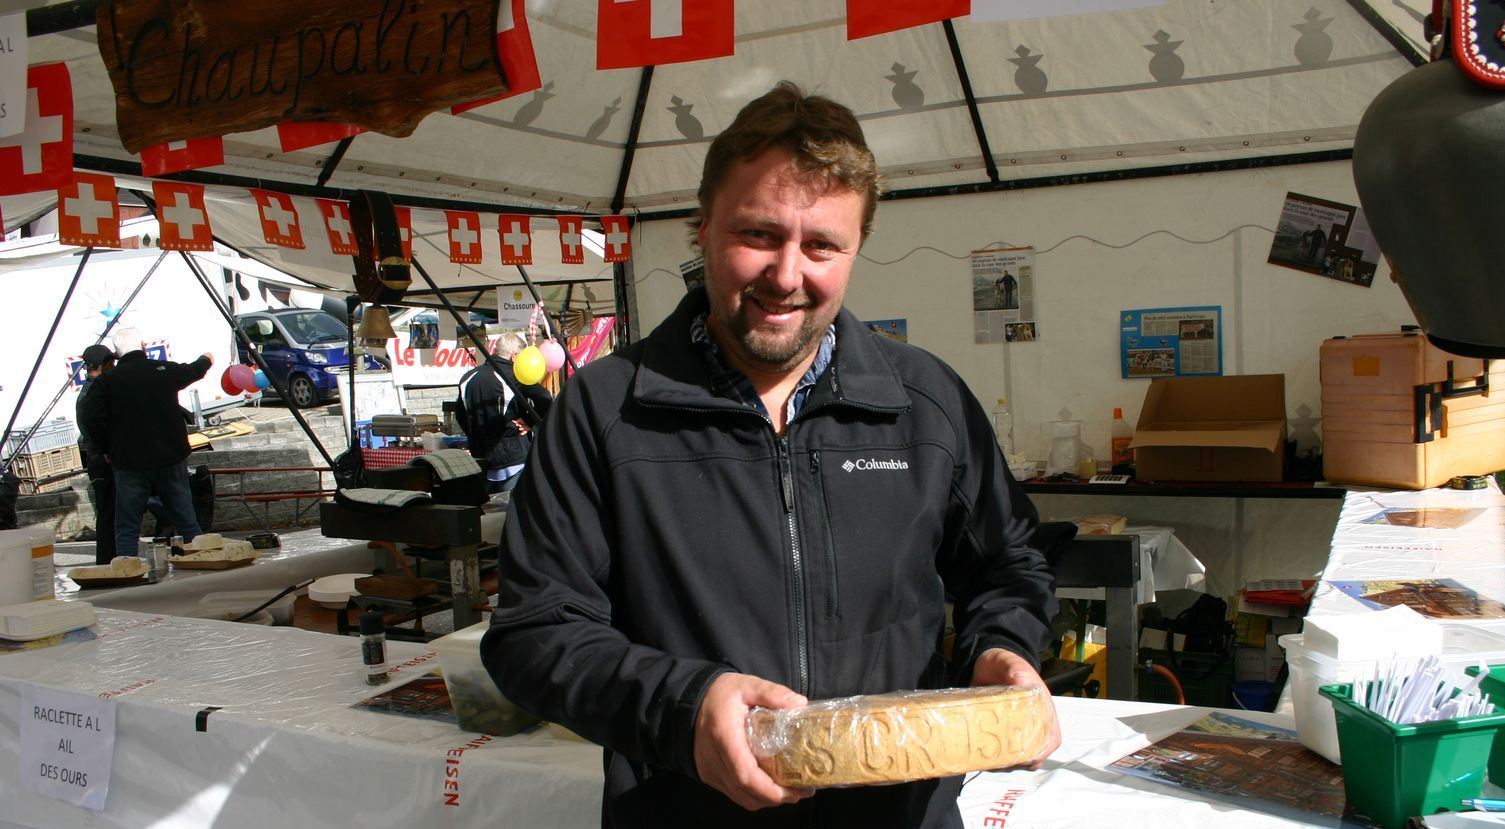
(389, 456)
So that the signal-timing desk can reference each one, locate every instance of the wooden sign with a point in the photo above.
(195, 68)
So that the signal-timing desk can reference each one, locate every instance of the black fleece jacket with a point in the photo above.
(665, 535)
(132, 414)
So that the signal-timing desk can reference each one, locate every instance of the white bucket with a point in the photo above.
(42, 540)
(15, 567)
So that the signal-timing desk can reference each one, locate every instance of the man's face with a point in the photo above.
(778, 256)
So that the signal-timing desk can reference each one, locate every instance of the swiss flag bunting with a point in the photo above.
(177, 156)
(866, 18)
(336, 216)
(182, 220)
(571, 251)
(618, 240)
(648, 32)
(517, 239)
(464, 236)
(300, 135)
(405, 230)
(88, 213)
(515, 48)
(279, 219)
(40, 157)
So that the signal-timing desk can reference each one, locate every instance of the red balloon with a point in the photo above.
(242, 376)
(227, 382)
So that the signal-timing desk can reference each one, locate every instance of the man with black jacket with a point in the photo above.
(760, 504)
(131, 417)
(97, 360)
(494, 416)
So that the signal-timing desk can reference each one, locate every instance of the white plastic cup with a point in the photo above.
(15, 567)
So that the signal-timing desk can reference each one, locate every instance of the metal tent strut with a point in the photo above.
(46, 343)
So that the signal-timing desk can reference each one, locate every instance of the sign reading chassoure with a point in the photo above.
(193, 68)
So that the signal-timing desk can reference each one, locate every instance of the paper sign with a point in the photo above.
(12, 73)
(67, 745)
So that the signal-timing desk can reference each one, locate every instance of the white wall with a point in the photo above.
(915, 266)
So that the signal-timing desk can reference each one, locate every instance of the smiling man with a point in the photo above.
(761, 504)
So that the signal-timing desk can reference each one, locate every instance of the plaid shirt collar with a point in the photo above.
(732, 384)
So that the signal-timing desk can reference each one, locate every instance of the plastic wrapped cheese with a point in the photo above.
(891, 738)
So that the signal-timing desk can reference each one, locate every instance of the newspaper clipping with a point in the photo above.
(1171, 342)
(1326, 238)
(1003, 295)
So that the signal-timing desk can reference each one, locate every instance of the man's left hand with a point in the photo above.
(997, 666)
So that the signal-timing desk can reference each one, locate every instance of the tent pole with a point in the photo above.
(334, 160)
(966, 82)
(46, 343)
(351, 303)
(97, 340)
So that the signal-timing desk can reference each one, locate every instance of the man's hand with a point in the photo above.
(723, 758)
(997, 666)
(207, 356)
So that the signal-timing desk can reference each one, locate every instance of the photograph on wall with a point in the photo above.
(1003, 295)
(1326, 238)
(893, 329)
(693, 273)
(1171, 342)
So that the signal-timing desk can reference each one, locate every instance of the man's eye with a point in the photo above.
(758, 236)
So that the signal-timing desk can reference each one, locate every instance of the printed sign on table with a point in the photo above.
(67, 745)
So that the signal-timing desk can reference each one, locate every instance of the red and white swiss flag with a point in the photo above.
(571, 248)
(336, 215)
(40, 157)
(405, 230)
(464, 236)
(279, 219)
(300, 135)
(618, 239)
(517, 239)
(87, 213)
(649, 32)
(182, 220)
(514, 46)
(866, 18)
(177, 156)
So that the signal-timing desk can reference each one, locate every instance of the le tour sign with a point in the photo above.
(198, 68)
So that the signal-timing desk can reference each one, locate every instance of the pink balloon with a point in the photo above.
(553, 355)
(243, 376)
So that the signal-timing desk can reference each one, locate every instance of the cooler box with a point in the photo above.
(1399, 412)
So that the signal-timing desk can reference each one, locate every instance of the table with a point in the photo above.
(284, 748)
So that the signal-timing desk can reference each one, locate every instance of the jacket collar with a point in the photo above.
(673, 373)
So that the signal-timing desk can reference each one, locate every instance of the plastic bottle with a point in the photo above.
(41, 562)
(374, 647)
(1003, 426)
(1123, 434)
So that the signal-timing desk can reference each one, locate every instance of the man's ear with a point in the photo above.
(700, 234)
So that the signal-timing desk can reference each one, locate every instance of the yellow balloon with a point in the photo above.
(528, 366)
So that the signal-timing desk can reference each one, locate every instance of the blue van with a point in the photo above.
(303, 347)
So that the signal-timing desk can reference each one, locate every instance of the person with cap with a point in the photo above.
(496, 417)
(132, 418)
(98, 359)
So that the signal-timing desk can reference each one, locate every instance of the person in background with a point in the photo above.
(131, 417)
(497, 421)
(761, 504)
(98, 359)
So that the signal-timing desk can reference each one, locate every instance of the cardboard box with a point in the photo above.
(1212, 429)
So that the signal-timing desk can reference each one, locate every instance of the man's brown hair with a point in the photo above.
(822, 135)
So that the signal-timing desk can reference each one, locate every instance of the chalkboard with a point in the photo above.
(375, 394)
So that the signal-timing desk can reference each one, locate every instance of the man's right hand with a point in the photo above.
(723, 757)
(207, 356)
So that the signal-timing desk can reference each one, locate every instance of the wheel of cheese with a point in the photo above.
(892, 738)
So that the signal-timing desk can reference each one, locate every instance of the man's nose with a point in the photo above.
(786, 271)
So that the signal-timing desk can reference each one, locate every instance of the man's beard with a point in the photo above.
(774, 350)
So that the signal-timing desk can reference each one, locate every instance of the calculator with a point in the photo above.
(1108, 479)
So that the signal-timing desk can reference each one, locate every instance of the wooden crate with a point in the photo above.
(34, 466)
(43, 485)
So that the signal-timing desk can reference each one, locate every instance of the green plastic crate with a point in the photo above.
(1206, 678)
(1395, 772)
(1493, 687)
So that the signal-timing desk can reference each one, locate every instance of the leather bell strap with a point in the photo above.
(382, 275)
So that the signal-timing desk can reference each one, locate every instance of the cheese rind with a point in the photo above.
(891, 738)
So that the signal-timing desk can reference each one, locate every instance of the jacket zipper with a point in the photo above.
(833, 606)
(801, 636)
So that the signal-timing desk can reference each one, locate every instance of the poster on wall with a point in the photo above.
(1171, 342)
(893, 329)
(693, 273)
(1003, 295)
(1326, 238)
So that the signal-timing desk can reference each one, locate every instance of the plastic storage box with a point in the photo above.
(1396, 772)
(1493, 686)
(232, 604)
(478, 703)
